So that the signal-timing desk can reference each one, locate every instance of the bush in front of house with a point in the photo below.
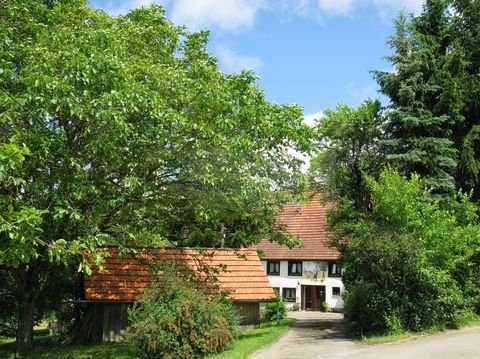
(274, 311)
(177, 319)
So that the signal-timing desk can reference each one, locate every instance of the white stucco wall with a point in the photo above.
(313, 273)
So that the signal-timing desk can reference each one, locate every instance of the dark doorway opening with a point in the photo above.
(312, 297)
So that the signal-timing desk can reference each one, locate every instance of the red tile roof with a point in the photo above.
(309, 222)
(240, 273)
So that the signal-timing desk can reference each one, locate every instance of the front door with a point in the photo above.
(312, 297)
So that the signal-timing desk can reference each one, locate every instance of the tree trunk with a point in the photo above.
(27, 298)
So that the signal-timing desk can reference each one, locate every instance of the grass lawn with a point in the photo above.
(45, 346)
(250, 341)
(389, 338)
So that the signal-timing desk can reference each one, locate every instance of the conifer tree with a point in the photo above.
(418, 124)
(433, 123)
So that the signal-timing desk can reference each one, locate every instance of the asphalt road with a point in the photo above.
(321, 336)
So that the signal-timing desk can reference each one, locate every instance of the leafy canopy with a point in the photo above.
(116, 128)
(410, 263)
(349, 146)
(123, 130)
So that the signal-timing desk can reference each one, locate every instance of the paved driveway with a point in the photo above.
(321, 335)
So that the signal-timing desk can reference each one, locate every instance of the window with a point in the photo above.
(289, 294)
(334, 270)
(335, 290)
(273, 267)
(295, 268)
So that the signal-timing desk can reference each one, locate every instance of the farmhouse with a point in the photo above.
(308, 277)
(110, 291)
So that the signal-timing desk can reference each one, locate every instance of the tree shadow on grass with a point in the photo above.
(50, 347)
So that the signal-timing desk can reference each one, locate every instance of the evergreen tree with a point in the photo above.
(418, 126)
(466, 34)
(432, 126)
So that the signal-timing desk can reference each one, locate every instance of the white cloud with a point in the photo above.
(334, 7)
(235, 15)
(312, 9)
(321, 9)
(311, 119)
(232, 62)
(386, 8)
(225, 14)
(358, 94)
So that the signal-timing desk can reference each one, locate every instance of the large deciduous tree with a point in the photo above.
(350, 147)
(124, 130)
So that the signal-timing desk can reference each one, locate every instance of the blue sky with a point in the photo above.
(315, 53)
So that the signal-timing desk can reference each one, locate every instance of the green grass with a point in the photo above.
(251, 340)
(396, 337)
(468, 321)
(46, 347)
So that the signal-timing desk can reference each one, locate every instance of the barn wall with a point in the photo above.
(114, 322)
(103, 322)
(249, 313)
(110, 320)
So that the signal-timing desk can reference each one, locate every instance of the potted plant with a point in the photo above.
(325, 306)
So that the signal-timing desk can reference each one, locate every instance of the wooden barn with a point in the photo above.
(110, 291)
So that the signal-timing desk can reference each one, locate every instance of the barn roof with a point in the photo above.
(308, 221)
(239, 273)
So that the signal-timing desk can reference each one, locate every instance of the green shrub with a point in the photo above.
(394, 322)
(8, 307)
(177, 319)
(325, 306)
(274, 311)
(409, 263)
(364, 309)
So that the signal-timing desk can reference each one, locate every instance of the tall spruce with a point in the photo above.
(432, 125)
(418, 125)
(466, 38)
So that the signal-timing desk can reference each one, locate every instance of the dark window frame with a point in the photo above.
(296, 273)
(336, 289)
(291, 298)
(334, 270)
(274, 263)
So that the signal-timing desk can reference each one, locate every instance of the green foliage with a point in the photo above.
(8, 308)
(122, 130)
(432, 123)
(362, 302)
(176, 318)
(246, 343)
(349, 142)
(408, 240)
(274, 311)
(251, 340)
(410, 264)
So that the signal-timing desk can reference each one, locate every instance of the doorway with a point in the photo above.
(312, 297)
